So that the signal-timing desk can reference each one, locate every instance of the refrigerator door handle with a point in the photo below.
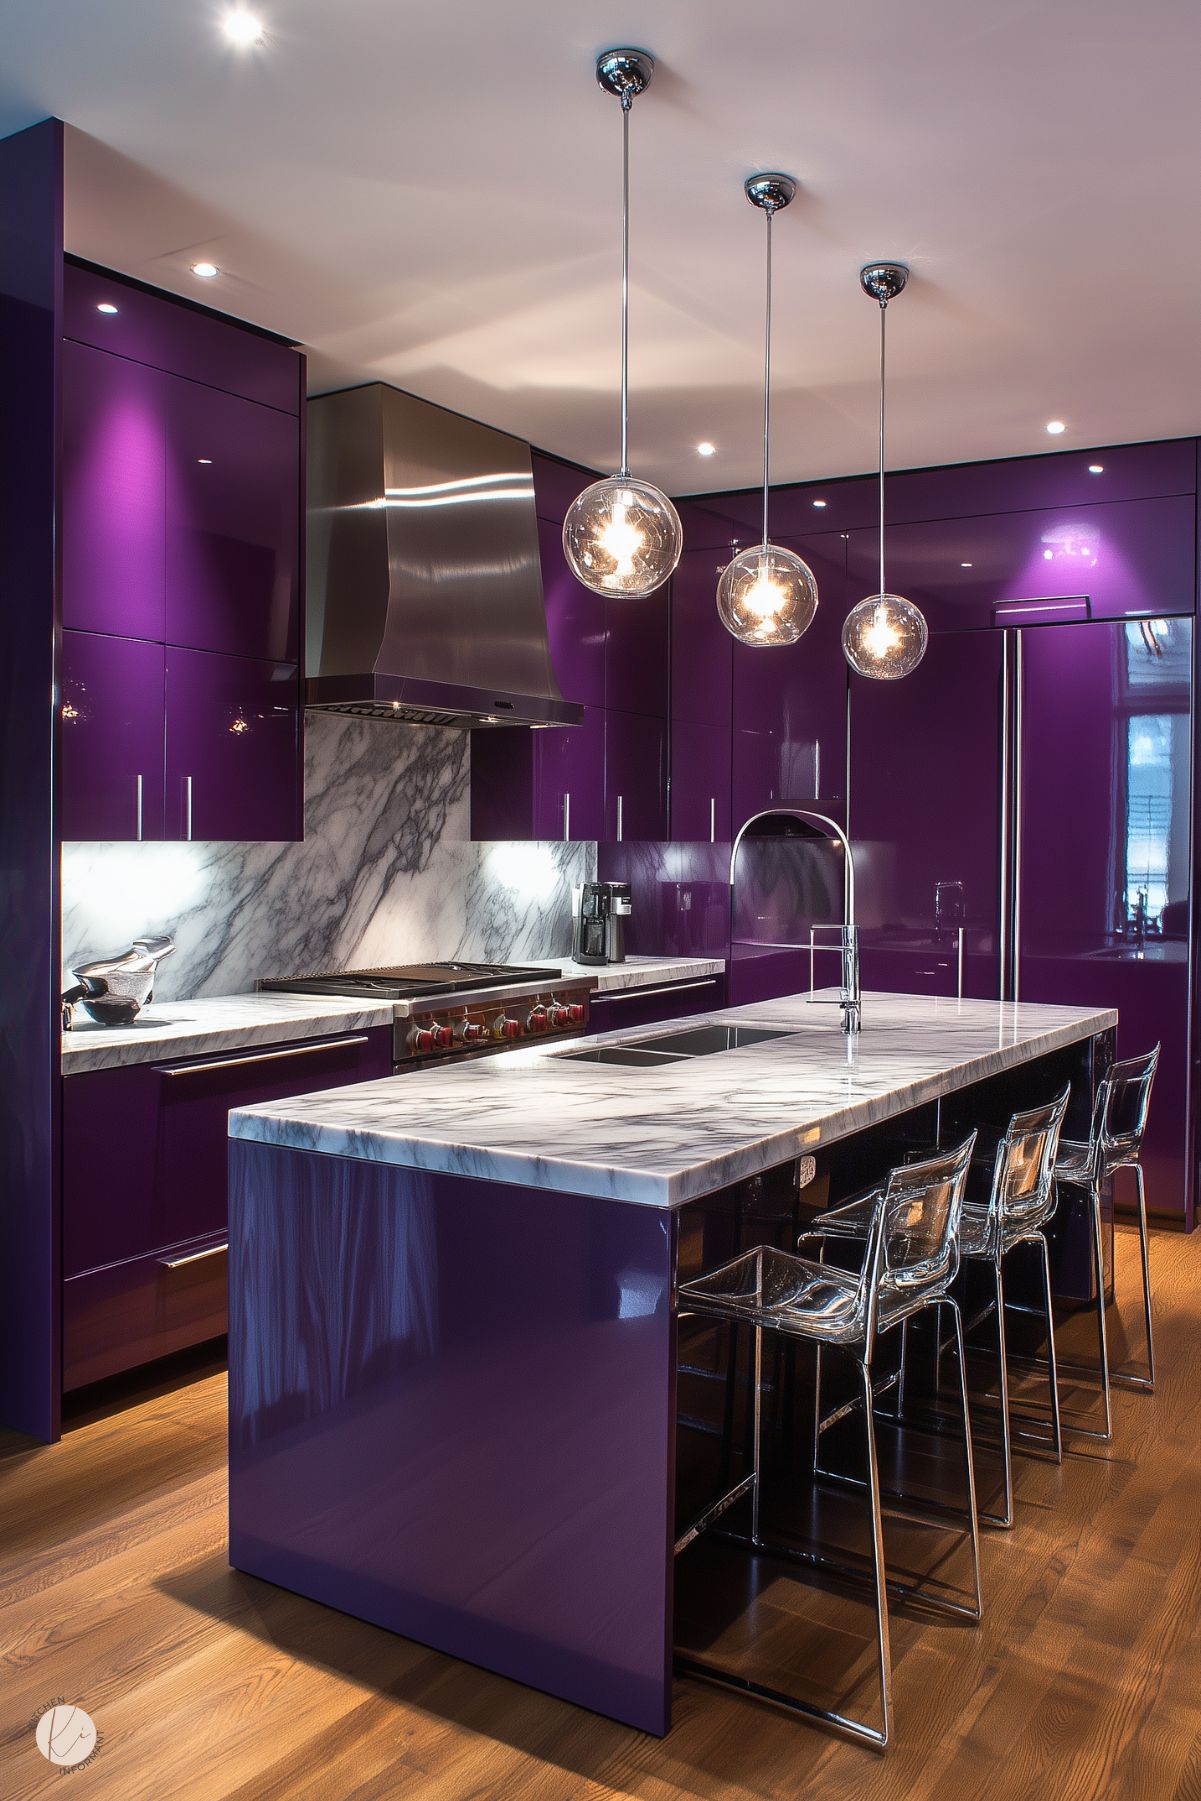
(1017, 817)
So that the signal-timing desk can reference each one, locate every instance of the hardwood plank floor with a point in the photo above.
(1083, 1682)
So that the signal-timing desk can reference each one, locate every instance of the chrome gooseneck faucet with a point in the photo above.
(849, 995)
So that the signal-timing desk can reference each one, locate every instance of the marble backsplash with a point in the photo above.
(387, 873)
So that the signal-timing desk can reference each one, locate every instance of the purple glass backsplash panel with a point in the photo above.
(160, 331)
(114, 486)
(31, 180)
(452, 1414)
(784, 885)
(112, 738)
(232, 523)
(680, 895)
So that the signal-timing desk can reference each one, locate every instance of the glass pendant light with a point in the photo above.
(884, 636)
(767, 595)
(623, 536)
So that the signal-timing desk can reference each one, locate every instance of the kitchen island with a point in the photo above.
(452, 1305)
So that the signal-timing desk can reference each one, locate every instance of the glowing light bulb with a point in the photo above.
(767, 596)
(242, 28)
(884, 637)
(622, 536)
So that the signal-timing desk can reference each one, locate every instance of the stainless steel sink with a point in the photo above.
(620, 1053)
(709, 1041)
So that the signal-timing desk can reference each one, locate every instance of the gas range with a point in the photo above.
(443, 1011)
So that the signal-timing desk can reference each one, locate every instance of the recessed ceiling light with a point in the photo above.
(1055, 426)
(205, 270)
(105, 306)
(965, 565)
(242, 28)
(1096, 469)
(705, 449)
(819, 503)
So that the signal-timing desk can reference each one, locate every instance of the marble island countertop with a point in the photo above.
(223, 1022)
(661, 1134)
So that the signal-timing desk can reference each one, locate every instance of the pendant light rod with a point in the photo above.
(626, 73)
(883, 282)
(772, 193)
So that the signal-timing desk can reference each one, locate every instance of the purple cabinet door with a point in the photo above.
(112, 738)
(924, 819)
(702, 650)
(700, 781)
(575, 623)
(232, 762)
(232, 523)
(635, 777)
(1108, 561)
(636, 653)
(1072, 478)
(113, 493)
(1103, 866)
(790, 703)
(569, 780)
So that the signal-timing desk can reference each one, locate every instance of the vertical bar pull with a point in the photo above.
(619, 818)
(1003, 860)
(187, 807)
(139, 787)
(566, 817)
(713, 819)
(1017, 817)
(959, 983)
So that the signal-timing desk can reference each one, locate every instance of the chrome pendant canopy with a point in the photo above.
(767, 595)
(622, 536)
(884, 636)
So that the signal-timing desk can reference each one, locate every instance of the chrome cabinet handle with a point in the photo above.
(619, 816)
(601, 999)
(187, 805)
(1017, 818)
(214, 1250)
(300, 1050)
(713, 819)
(566, 817)
(138, 781)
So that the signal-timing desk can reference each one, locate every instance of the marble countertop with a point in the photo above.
(635, 972)
(661, 1135)
(223, 1023)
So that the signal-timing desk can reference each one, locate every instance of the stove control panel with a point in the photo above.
(443, 1031)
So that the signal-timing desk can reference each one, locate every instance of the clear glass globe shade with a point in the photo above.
(622, 536)
(884, 637)
(767, 596)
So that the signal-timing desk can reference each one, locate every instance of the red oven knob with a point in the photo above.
(575, 1012)
(506, 1028)
(423, 1039)
(537, 1020)
(443, 1037)
(470, 1032)
(559, 1016)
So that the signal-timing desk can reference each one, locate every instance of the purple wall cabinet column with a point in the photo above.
(112, 738)
(700, 781)
(575, 622)
(635, 777)
(231, 758)
(636, 653)
(452, 1413)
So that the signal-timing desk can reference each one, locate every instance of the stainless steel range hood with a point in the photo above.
(424, 583)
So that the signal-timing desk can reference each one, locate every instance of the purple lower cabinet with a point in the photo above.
(452, 1413)
(114, 486)
(233, 759)
(232, 535)
(700, 781)
(926, 786)
(112, 738)
(635, 777)
(619, 1009)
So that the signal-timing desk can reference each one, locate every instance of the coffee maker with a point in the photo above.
(600, 920)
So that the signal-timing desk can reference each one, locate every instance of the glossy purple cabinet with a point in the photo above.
(540, 784)
(700, 781)
(575, 623)
(1113, 560)
(636, 654)
(702, 650)
(635, 777)
(790, 703)
(232, 757)
(144, 1189)
(112, 738)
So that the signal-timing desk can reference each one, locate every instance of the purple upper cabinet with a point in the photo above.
(112, 738)
(636, 653)
(575, 623)
(232, 758)
(700, 781)
(635, 778)
(702, 650)
(539, 784)
(1072, 478)
(168, 333)
(113, 493)
(790, 703)
(231, 523)
(924, 813)
(1110, 561)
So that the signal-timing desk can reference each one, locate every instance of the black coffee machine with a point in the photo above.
(600, 922)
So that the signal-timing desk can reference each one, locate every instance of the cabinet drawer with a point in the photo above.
(145, 1307)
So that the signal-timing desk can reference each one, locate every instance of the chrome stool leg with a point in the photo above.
(1102, 1341)
(1052, 1362)
(883, 1649)
(969, 1462)
(1132, 1380)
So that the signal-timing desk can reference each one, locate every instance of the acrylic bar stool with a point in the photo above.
(1021, 1200)
(1115, 1142)
(910, 1260)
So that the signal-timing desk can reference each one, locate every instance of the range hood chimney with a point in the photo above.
(424, 599)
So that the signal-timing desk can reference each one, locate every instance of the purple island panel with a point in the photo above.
(452, 1414)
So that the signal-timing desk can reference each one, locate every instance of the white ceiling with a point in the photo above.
(428, 194)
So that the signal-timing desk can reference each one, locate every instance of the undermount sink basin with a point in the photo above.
(708, 1041)
(619, 1053)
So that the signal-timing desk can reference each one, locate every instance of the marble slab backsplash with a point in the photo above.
(387, 873)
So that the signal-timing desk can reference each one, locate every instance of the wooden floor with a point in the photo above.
(1084, 1680)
